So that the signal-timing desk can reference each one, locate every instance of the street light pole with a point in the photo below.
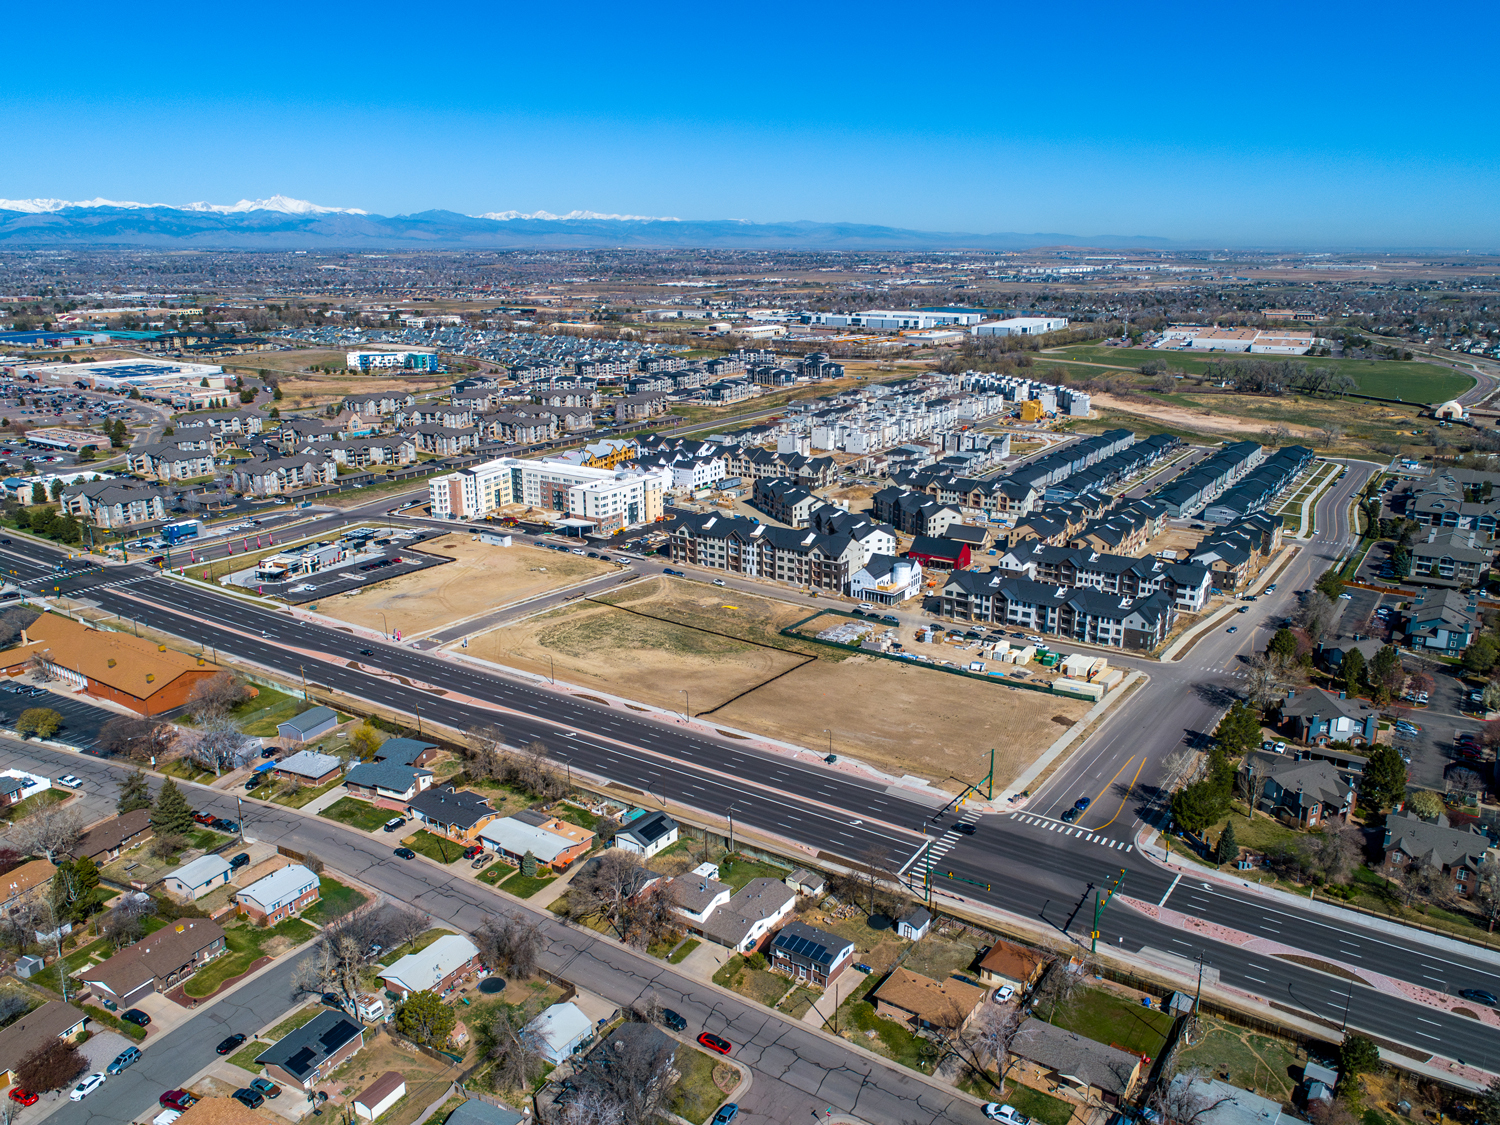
(687, 703)
(730, 814)
(419, 720)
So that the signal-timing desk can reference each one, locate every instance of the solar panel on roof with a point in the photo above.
(301, 1062)
(337, 1035)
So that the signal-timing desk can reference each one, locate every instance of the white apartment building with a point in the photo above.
(896, 320)
(1021, 326)
(611, 498)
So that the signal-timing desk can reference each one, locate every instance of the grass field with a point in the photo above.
(1408, 380)
(357, 814)
(1254, 1061)
(434, 846)
(481, 577)
(697, 1095)
(524, 886)
(1106, 1017)
(335, 900)
(929, 723)
(245, 945)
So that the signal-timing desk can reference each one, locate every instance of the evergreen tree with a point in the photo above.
(528, 865)
(1284, 644)
(64, 889)
(172, 815)
(1353, 671)
(1330, 583)
(135, 793)
(1357, 1055)
(1238, 730)
(1383, 785)
(85, 883)
(1227, 851)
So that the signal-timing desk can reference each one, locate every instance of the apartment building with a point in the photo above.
(1080, 614)
(823, 559)
(165, 461)
(114, 503)
(609, 498)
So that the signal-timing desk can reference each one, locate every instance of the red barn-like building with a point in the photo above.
(943, 554)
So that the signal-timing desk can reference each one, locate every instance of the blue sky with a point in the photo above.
(1239, 124)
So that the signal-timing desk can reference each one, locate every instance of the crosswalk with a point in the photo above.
(117, 582)
(946, 841)
(1070, 830)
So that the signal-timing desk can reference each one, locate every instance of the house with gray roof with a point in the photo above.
(750, 915)
(1442, 621)
(309, 767)
(387, 784)
(312, 723)
(1093, 1070)
(647, 834)
(808, 954)
(406, 752)
(304, 1057)
(1318, 716)
(1304, 791)
(695, 897)
(1412, 843)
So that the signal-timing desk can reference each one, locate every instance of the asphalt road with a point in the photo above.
(1025, 872)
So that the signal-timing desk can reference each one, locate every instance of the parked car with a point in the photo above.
(406, 853)
(227, 1045)
(176, 1099)
(715, 1043)
(266, 1087)
(473, 850)
(222, 825)
(726, 1114)
(394, 823)
(86, 1087)
(241, 860)
(135, 1016)
(997, 1112)
(25, 1097)
(482, 861)
(70, 781)
(1003, 994)
(124, 1059)
(204, 817)
(252, 1099)
(673, 1020)
(254, 782)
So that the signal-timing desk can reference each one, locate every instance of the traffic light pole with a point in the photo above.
(1101, 905)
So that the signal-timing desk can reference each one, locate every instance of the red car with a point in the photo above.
(25, 1097)
(204, 817)
(474, 851)
(714, 1043)
(176, 1099)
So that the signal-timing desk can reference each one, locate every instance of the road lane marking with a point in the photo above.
(1170, 889)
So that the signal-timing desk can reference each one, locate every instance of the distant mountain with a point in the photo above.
(280, 223)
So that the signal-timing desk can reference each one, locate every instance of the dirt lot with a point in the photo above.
(1207, 420)
(896, 717)
(481, 578)
(426, 1079)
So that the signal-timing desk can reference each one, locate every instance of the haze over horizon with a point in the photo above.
(1272, 126)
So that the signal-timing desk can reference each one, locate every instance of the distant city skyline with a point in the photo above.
(1274, 126)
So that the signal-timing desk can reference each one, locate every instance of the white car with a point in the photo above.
(720, 582)
(997, 1112)
(86, 1087)
(1034, 639)
(1003, 994)
(70, 781)
(1280, 748)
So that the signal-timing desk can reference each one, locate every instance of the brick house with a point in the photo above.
(1010, 964)
(455, 813)
(1090, 1069)
(303, 1058)
(157, 962)
(104, 842)
(281, 894)
(1318, 716)
(1459, 853)
(438, 968)
(924, 1004)
(54, 1019)
(389, 785)
(1306, 792)
(810, 955)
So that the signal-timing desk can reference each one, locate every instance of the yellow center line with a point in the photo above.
(1125, 798)
(1111, 781)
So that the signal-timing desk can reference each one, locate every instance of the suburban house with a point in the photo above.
(647, 834)
(387, 784)
(476, 1112)
(157, 962)
(53, 1020)
(193, 880)
(750, 915)
(406, 752)
(914, 925)
(437, 968)
(24, 881)
(1442, 621)
(695, 897)
(281, 894)
(1459, 853)
(380, 1095)
(131, 671)
(455, 813)
(924, 1004)
(809, 955)
(104, 842)
(1319, 716)
(559, 1032)
(553, 843)
(1229, 1105)
(1091, 1069)
(311, 724)
(308, 767)
(303, 1058)
(1009, 964)
(1304, 791)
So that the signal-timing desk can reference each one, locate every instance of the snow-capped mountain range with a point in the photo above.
(283, 223)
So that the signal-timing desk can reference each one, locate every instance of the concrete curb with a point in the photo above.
(1053, 752)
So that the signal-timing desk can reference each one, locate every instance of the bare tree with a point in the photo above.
(216, 696)
(649, 919)
(337, 966)
(592, 1106)
(220, 745)
(1314, 614)
(511, 943)
(50, 830)
(605, 887)
(987, 1038)
(1057, 986)
(1330, 433)
(1336, 852)
(1270, 675)
(634, 1071)
(40, 668)
(1179, 1099)
(125, 924)
(517, 1063)
(140, 740)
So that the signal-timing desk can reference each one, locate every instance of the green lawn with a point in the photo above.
(739, 871)
(186, 770)
(307, 794)
(760, 985)
(496, 872)
(1252, 1059)
(1114, 1020)
(421, 942)
(244, 948)
(1037, 1105)
(895, 1041)
(434, 846)
(260, 715)
(696, 1097)
(357, 814)
(335, 900)
(82, 958)
(293, 1022)
(206, 839)
(524, 886)
(244, 1058)
(683, 950)
(22, 809)
(581, 817)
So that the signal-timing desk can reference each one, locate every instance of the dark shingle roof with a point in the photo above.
(302, 1051)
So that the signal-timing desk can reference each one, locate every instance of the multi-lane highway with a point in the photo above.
(1032, 863)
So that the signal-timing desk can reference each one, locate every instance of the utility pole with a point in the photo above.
(730, 814)
(1198, 996)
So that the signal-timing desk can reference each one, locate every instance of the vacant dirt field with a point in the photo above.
(481, 578)
(650, 660)
(900, 718)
